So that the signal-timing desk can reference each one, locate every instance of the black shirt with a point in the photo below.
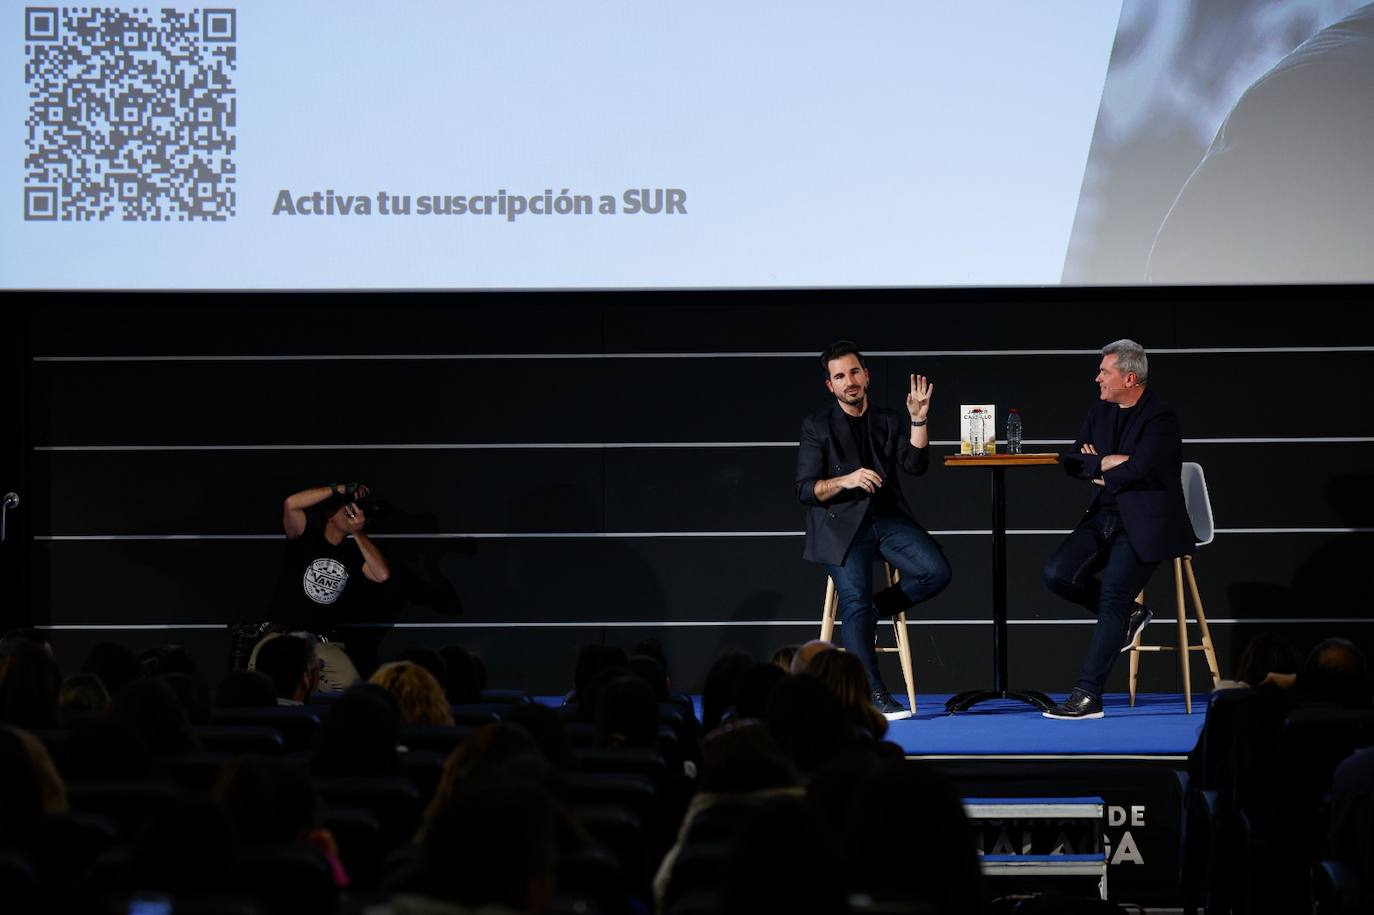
(318, 579)
(883, 501)
(1123, 418)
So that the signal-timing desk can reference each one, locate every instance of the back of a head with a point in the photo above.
(418, 695)
(780, 861)
(186, 847)
(116, 665)
(358, 735)
(907, 810)
(592, 659)
(753, 687)
(482, 754)
(493, 844)
(461, 679)
(651, 671)
(1337, 656)
(718, 692)
(29, 783)
(547, 728)
(15, 637)
(844, 674)
(168, 659)
(427, 658)
(652, 648)
(783, 657)
(803, 656)
(808, 721)
(193, 694)
(1337, 671)
(285, 660)
(81, 696)
(246, 689)
(1264, 654)
(268, 800)
(152, 709)
(30, 681)
(626, 713)
(744, 757)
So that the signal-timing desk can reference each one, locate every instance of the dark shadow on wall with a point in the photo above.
(1330, 582)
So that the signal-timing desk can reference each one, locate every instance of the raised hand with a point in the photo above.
(918, 401)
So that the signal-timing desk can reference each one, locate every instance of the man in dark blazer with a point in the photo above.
(851, 453)
(1131, 450)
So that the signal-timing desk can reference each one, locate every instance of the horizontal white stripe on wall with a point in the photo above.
(689, 624)
(454, 357)
(649, 535)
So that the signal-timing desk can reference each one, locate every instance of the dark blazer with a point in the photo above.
(1148, 487)
(828, 449)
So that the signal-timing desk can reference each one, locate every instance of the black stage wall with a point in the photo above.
(609, 466)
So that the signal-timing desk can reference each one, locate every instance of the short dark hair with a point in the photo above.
(284, 659)
(838, 350)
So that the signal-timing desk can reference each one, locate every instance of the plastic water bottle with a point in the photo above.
(1013, 432)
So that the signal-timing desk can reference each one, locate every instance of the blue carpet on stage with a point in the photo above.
(1158, 725)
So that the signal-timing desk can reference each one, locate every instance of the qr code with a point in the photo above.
(132, 114)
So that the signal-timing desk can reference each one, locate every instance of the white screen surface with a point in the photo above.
(811, 144)
(796, 144)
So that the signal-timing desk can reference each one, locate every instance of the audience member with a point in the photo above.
(907, 811)
(168, 659)
(778, 862)
(546, 726)
(718, 693)
(461, 676)
(1264, 654)
(626, 713)
(1351, 832)
(783, 657)
(809, 722)
(24, 635)
(844, 674)
(151, 708)
(508, 865)
(801, 659)
(81, 696)
(271, 802)
(358, 735)
(193, 695)
(1335, 671)
(592, 659)
(742, 764)
(427, 658)
(291, 663)
(29, 685)
(246, 689)
(418, 695)
(650, 670)
(30, 785)
(116, 665)
(753, 687)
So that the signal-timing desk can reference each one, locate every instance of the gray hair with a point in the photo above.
(1130, 357)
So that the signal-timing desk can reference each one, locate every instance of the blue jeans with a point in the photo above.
(908, 549)
(1099, 545)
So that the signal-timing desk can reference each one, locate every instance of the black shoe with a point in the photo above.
(892, 709)
(891, 601)
(1140, 618)
(1080, 704)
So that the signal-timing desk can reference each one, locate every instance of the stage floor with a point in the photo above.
(1158, 726)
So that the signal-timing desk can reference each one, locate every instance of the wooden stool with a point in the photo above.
(1200, 513)
(903, 647)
